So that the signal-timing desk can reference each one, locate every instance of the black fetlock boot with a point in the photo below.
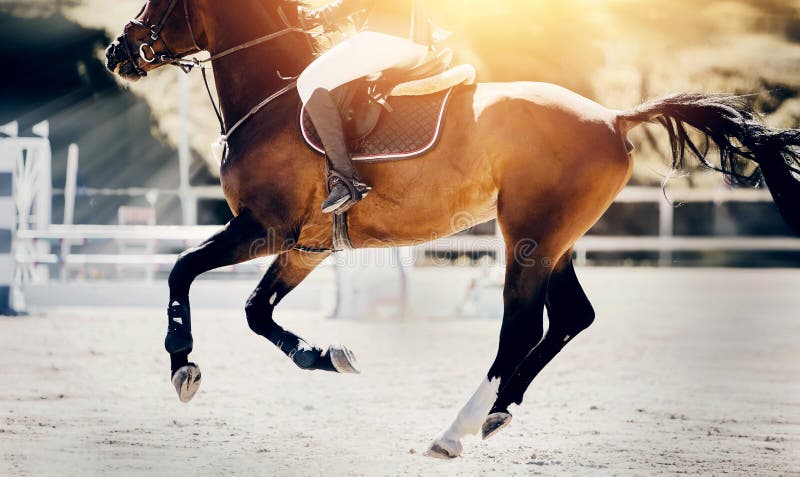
(345, 187)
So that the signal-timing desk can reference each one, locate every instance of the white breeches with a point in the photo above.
(362, 54)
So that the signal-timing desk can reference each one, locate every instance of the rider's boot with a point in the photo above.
(346, 188)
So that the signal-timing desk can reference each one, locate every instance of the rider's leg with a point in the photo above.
(346, 188)
(363, 54)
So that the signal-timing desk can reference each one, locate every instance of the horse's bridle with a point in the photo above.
(187, 65)
(155, 35)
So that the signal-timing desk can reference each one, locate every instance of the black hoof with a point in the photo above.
(187, 381)
(493, 423)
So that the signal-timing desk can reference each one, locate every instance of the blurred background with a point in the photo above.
(692, 365)
(142, 156)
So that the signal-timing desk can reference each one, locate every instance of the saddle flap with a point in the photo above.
(360, 112)
(362, 102)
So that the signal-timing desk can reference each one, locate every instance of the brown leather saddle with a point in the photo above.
(397, 115)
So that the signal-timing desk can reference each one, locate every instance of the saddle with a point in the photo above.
(396, 114)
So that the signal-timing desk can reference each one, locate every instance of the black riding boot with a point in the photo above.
(346, 188)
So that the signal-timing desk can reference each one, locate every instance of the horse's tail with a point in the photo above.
(729, 123)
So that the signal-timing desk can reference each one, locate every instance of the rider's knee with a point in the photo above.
(305, 86)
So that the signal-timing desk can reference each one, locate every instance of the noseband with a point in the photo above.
(146, 51)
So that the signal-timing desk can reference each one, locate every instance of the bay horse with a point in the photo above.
(542, 160)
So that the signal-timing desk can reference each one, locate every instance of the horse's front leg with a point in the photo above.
(285, 273)
(241, 239)
(521, 330)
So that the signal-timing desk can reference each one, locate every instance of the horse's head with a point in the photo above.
(162, 33)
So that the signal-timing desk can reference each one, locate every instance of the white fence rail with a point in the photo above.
(459, 244)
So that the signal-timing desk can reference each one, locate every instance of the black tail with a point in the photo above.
(730, 124)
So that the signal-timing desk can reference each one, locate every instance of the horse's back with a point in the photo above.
(546, 96)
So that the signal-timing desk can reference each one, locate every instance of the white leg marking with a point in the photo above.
(469, 420)
(474, 412)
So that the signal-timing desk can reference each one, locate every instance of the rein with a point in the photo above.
(189, 64)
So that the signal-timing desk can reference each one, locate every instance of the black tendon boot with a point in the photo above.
(185, 375)
(346, 189)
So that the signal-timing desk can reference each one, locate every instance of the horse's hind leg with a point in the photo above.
(527, 274)
(569, 312)
(241, 239)
(285, 273)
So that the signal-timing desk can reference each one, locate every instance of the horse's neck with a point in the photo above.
(245, 78)
(242, 83)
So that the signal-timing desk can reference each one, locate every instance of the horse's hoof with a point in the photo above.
(186, 381)
(494, 423)
(444, 449)
(343, 359)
